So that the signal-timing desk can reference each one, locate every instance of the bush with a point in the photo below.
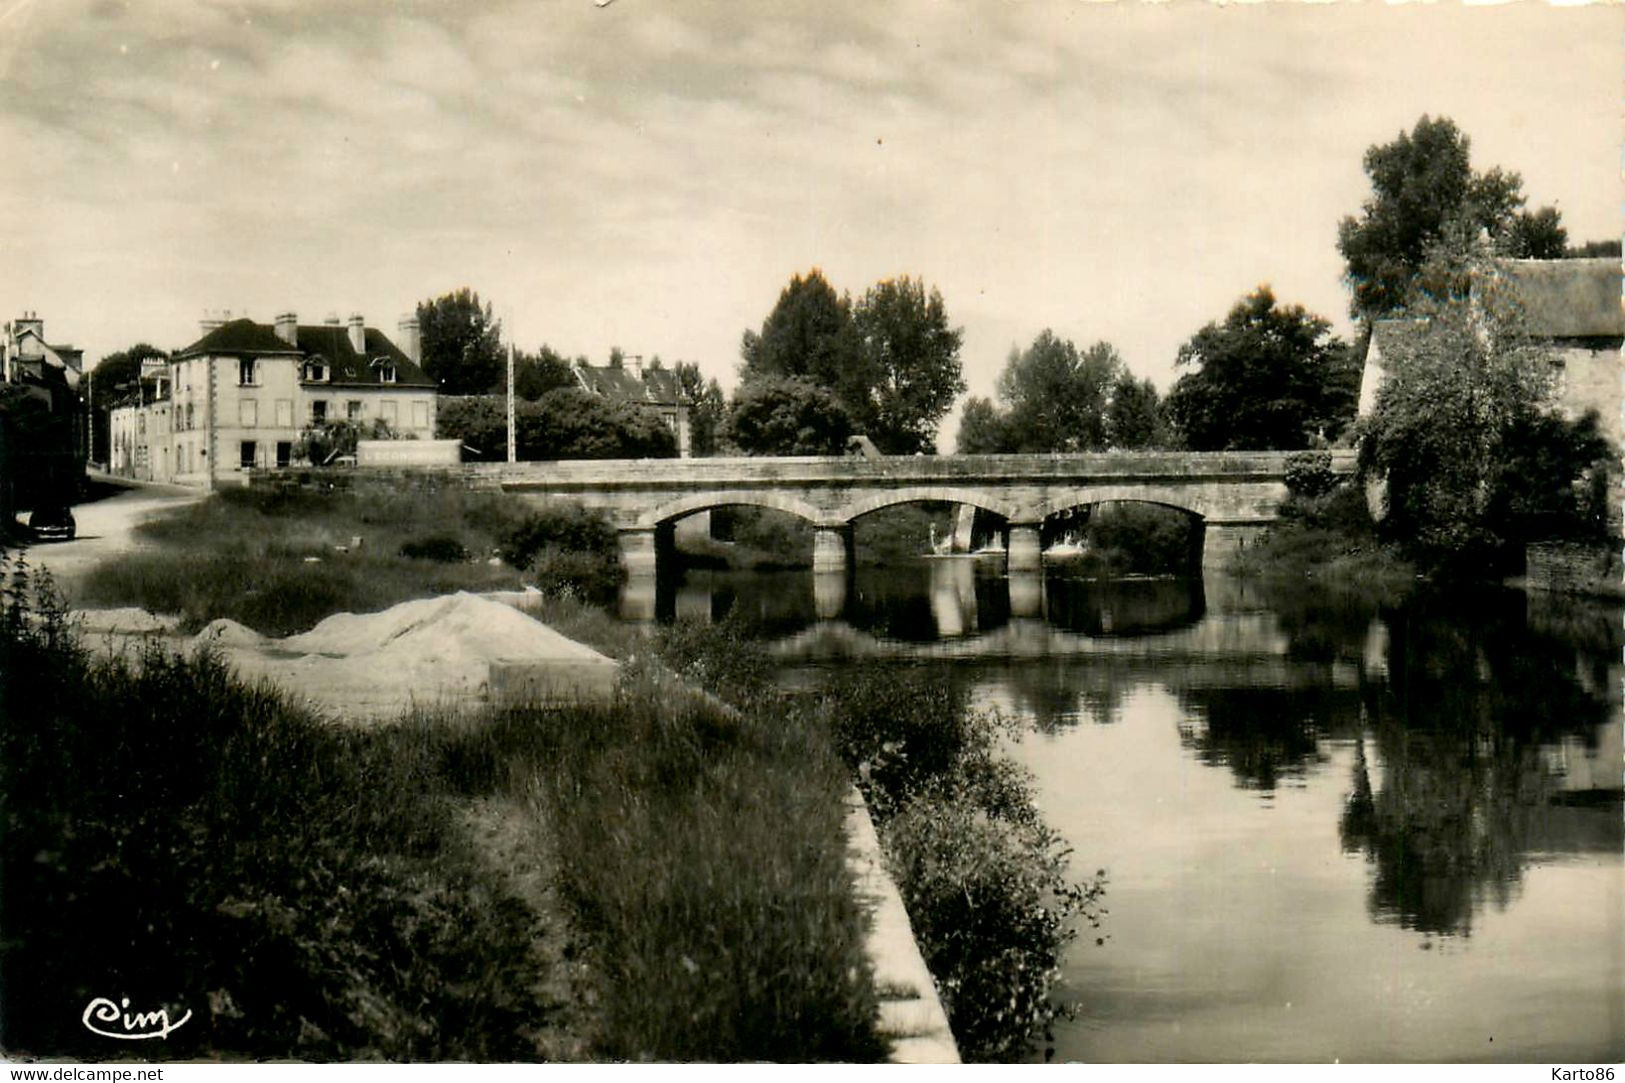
(591, 577)
(441, 548)
(1309, 474)
(561, 526)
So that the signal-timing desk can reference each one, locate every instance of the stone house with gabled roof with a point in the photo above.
(242, 395)
(1574, 307)
(655, 389)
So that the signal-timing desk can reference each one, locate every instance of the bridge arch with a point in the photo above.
(913, 494)
(1193, 503)
(690, 503)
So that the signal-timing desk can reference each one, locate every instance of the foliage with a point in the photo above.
(984, 880)
(461, 343)
(1309, 474)
(1474, 458)
(565, 423)
(324, 443)
(270, 558)
(1137, 538)
(1423, 185)
(774, 415)
(566, 549)
(891, 362)
(1609, 249)
(707, 411)
(196, 844)
(912, 357)
(1057, 398)
(1267, 377)
(534, 375)
(441, 548)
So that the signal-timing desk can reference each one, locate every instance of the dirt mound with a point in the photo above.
(426, 652)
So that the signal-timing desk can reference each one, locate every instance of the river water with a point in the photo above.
(1333, 829)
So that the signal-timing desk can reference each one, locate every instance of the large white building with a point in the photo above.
(242, 396)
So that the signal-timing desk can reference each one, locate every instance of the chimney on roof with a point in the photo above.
(409, 339)
(210, 321)
(332, 320)
(287, 328)
(634, 362)
(358, 333)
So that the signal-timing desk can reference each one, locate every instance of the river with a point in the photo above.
(1333, 828)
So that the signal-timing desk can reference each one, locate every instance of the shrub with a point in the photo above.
(441, 548)
(1309, 474)
(559, 526)
(593, 577)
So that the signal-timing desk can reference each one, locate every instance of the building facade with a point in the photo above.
(654, 389)
(245, 395)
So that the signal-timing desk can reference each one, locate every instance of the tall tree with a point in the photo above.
(1422, 183)
(809, 335)
(707, 409)
(1269, 376)
(538, 373)
(1055, 399)
(1134, 415)
(461, 343)
(912, 355)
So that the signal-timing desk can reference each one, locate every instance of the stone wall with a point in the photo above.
(1573, 567)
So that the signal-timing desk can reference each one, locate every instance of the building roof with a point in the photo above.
(330, 342)
(1568, 298)
(657, 386)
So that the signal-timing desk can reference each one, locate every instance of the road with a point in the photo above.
(106, 528)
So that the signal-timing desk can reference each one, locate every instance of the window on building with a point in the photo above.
(386, 370)
(284, 413)
(248, 413)
(246, 461)
(390, 412)
(246, 372)
(284, 453)
(420, 415)
(316, 370)
(352, 410)
(141, 424)
(318, 410)
(188, 415)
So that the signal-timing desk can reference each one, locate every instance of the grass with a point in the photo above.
(652, 879)
(281, 560)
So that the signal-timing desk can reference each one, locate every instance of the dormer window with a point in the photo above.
(316, 370)
(386, 369)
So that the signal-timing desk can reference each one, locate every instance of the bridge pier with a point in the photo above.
(1025, 551)
(639, 553)
(1222, 541)
(1026, 593)
(832, 549)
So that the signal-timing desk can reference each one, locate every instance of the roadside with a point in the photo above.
(107, 524)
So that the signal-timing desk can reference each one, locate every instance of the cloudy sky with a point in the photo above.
(650, 173)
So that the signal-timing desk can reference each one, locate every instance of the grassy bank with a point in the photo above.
(1330, 537)
(645, 880)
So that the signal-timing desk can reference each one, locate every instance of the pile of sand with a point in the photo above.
(448, 650)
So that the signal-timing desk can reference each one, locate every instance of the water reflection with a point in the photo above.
(1294, 791)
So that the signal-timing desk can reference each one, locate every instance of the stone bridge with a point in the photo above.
(1232, 495)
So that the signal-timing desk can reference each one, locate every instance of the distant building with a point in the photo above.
(1571, 305)
(42, 440)
(241, 396)
(654, 389)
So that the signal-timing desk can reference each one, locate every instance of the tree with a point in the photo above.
(116, 377)
(1055, 399)
(461, 344)
(1474, 457)
(809, 335)
(788, 415)
(1422, 183)
(891, 361)
(537, 374)
(707, 410)
(1134, 415)
(982, 428)
(1268, 377)
(564, 423)
(912, 356)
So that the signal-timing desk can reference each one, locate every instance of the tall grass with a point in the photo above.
(178, 838)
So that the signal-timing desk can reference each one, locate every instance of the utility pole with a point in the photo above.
(513, 442)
